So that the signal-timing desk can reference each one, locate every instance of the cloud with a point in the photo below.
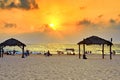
(28, 4)
(100, 16)
(47, 28)
(39, 37)
(10, 25)
(23, 4)
(118, 15)
(114, 24)
(44, 28)
(82, 8)
(85, 22)
(112, 21)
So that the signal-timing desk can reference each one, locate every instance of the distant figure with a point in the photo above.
(7, 53)
(60, 52)
(27, 53)
(13, 52)
(48, 53)
(114, 52)
(44, 53)
(86, 52)
(90, 52)
(84, 56)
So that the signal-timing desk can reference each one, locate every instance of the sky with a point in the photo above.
(59, 21)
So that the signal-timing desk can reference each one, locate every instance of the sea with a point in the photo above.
(54, 47)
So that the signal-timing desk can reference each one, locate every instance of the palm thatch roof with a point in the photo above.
(95, 40)
(12, 42)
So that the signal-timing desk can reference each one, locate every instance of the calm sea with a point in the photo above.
(53, 48)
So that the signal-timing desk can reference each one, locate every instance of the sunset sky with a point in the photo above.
(59, 21)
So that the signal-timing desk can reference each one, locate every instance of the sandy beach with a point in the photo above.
(59, 67)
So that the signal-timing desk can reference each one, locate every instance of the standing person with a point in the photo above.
(13, 52)
(28, 53)
(48, 53)
(114, 52)
(84, 56)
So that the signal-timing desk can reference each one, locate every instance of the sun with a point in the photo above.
(52, 26)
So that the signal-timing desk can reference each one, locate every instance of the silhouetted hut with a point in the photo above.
(94, 40)
(13, 42)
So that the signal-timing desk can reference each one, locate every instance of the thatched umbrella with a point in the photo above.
(13, 42)
(95, 40)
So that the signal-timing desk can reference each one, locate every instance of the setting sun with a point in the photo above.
(52, 26)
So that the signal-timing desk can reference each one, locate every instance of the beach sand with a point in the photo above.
(59, 67)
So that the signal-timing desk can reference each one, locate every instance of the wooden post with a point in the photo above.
(0, 52)
(111, 49)
(79, 52)
(23, 52)
(83, 48)
(110, 52)
(84, 54)
(103, 51)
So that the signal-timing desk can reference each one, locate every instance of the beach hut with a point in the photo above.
(94, 40)
(13, 42)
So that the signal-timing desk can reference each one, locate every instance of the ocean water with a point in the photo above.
(53, 48)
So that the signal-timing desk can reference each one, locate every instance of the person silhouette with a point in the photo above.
(14, 52)
(84, 56)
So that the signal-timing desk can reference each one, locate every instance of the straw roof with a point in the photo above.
(12, 42)
(95, 40)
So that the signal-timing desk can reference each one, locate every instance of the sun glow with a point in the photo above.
(52, 26)
(54, 21)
